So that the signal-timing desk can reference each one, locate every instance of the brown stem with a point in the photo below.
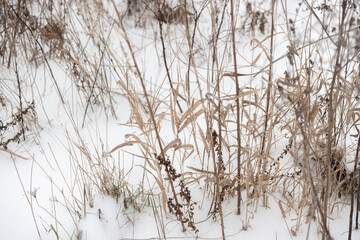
(237, 110)
(311, 181)
(352, 188)
(150, 109)
(331, 122)
(42, 51)
(217, 179)
(357, 202)
(20, 98)
(263, 160)
(165, 60)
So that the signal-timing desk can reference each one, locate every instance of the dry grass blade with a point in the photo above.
(173, 144)
(190, 119)
(130, 143)
(13, 154)
(269, 113)
(189, 111)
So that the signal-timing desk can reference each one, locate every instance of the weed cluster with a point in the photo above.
(222, 111)
(13, 130)
(183, 211)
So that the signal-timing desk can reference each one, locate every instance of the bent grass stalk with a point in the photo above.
(150, 109)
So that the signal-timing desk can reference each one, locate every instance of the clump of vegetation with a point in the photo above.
(256, 19)
(183, 211)
(14, 130)
(208, 116)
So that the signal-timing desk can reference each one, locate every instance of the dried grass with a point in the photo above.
(223, 140)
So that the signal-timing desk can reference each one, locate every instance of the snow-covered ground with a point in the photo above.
(87, 166)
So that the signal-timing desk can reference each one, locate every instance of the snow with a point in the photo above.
(59, 190)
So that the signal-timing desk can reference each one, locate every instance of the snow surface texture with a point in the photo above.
(90, 169)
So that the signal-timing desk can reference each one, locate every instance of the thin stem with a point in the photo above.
(268, 95)
(217, 170)
(237, 109)
(42, 51)
(150, 109)
(165, 61)
(331, 122)
(353, 188)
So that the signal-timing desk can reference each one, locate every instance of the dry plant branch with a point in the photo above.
(164, 55)
(266, 135)
(331, 123)
(20, 98)
(42, 51)
(219, 166)
(354, 177)
(163, 156)
(237, 110)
